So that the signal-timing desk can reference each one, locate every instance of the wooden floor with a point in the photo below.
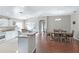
(44, 45)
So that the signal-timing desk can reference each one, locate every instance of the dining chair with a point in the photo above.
(63, 36)
(49, 36)
(70, 37)
(56, 35)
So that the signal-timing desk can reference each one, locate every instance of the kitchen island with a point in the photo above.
(26, 42)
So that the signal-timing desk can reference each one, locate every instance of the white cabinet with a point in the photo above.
(10, 34)
(26, 44)
(3, 22)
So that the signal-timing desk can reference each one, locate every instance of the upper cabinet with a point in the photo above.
(3, 22)
(6, 22)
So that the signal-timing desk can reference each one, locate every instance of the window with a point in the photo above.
(19, 25)
(30, 26)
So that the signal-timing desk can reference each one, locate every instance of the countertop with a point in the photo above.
(27, 34)
(9, 28)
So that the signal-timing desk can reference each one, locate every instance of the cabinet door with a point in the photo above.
(31, 44)
(26, 44)
(23, 44)
(3, 22)
(11, 34)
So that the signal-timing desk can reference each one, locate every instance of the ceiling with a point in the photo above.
(24, 12)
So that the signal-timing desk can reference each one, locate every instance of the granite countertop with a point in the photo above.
(27, 34)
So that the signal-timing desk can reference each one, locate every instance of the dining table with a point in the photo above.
(62, 36)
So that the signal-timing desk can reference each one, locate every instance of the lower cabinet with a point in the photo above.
(26, 44)
(10, 35)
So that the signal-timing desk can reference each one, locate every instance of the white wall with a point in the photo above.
(51, 24)
(35, 22)
(64, 24)
(75, 26)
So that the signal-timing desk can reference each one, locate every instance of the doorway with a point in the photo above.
(42, 26)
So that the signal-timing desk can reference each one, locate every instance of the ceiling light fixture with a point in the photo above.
(19, 9)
